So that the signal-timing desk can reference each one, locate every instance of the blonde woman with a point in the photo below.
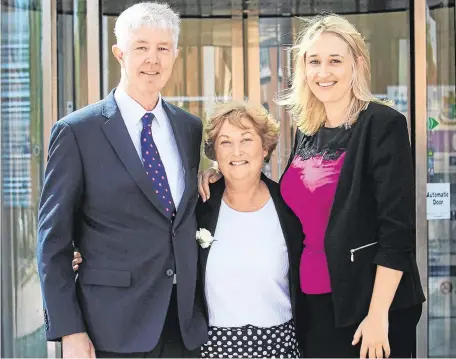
(350, 181)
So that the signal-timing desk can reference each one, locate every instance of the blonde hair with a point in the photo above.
(309, 112)
(234, 112)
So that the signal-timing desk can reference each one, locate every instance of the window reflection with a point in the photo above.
(217, 57)
(441, 155)
(21, 168)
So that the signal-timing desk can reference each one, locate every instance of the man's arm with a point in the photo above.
(60, 201)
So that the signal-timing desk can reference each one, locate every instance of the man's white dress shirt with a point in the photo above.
(162, 132)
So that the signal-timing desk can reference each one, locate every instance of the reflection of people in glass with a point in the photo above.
(121, 184)
(250, 240)
(350, 182)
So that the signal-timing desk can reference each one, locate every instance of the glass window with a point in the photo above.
(249, 57)
(441, 188)
(71, 56)
(275, 40)
(21, 169)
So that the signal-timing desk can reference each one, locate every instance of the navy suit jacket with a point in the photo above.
(97, 197)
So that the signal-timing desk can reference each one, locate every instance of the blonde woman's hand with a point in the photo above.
(373, 333)
(210, 175)
(77, 345)
(77, 260)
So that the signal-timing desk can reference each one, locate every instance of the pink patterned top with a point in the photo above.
(308, 187)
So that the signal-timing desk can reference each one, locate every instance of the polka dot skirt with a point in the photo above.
(252, 342)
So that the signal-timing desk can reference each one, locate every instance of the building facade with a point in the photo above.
(56, 57)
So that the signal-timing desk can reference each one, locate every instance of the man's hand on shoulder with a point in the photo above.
(77, 345)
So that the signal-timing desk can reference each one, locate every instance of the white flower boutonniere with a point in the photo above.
(204, 238)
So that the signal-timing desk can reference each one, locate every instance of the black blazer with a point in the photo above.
(374, 202)
(207, 214)
(97, 195)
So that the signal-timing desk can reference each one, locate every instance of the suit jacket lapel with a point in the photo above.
(117, 134)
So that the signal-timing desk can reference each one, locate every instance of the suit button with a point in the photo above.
(169, 272)
(173, 233)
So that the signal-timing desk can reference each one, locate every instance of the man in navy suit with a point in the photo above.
(120, 185)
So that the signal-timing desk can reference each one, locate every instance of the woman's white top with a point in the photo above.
(247, 270)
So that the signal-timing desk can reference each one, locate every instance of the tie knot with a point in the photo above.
(147, 120)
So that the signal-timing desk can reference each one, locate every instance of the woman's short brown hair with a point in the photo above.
(234, 111)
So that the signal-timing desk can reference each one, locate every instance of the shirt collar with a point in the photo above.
(132, 111)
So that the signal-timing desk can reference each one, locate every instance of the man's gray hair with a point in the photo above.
(149, 14)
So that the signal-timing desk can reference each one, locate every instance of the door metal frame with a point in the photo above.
(49, 63)
(420, 110)
(252, 61)
(237, 58)
(1, 215)
(49, 90)
(93, 51)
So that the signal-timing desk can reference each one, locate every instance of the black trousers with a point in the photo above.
(321, 339)
(170, 344)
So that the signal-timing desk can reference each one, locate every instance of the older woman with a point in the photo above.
(350, 182)
(250, 242)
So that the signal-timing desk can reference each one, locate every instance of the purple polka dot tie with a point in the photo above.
(154, 166)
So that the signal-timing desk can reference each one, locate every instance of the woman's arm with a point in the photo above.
(393, 182)
(391, 168)
(374, 328)
(386, 283)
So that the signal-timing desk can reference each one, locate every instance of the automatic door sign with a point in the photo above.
(438, 201)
